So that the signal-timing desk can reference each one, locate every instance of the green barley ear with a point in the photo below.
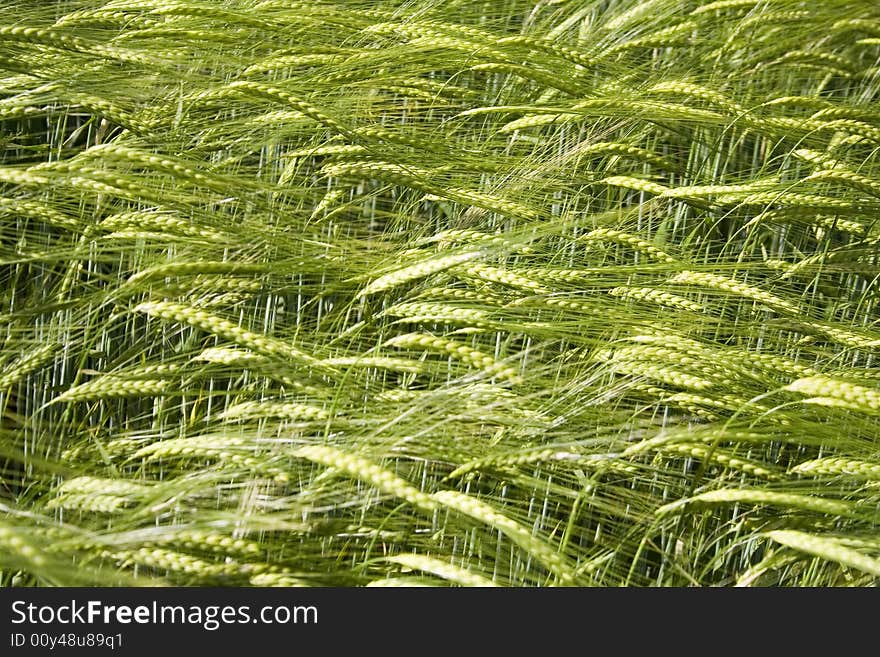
(19, 368)
(19, 551)
(828, 391)
(484, 513)
(757, 496)
(108, 387)
(279, 580)
(632, 241)
(838, 466)
(455, 350)
(447, 571)
(220, 327)
(94, 494)
(286, 410)
(402, 582)
(368, 472)
(415, 272)
(827, 548)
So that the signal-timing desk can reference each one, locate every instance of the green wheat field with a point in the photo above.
(440, 293)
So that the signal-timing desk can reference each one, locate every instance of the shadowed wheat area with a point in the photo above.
(439, 293)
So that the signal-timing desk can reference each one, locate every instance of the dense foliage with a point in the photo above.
(427, 292)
